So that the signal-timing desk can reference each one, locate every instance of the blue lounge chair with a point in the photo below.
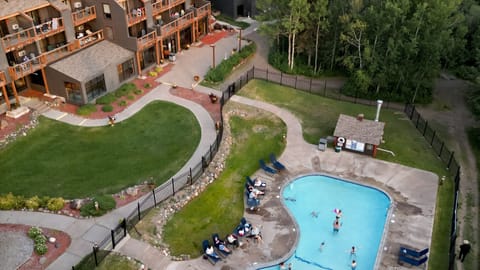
(412, 252)
(266, 168)
(250, 181)
(212, 258)
(217, 243)
(412, 261)
(279, 166)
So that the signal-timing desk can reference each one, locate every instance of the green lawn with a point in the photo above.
(57, 159)
(219, 208)
(319, 116)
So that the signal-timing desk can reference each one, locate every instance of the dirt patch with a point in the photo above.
(34, 261)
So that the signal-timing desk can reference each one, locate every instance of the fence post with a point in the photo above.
(267, 74)
(296, 78)
(124, 225)
(281, 77)
(154, 198)
(253, 68)
(441, 149)
(203, 164)
(173, 187)
(310, 86)
(418, 120)
(138, 211)
(95, 249)
(112, 233)
(425, 128)
(413, 110)
(325, 88)
(450, 160)
(433, 137)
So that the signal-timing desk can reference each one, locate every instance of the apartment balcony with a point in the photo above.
(36, 63)
(136, 15)
(146, 41)
(203, 10)
(177, 24)
(3, 79)
(84, 15)
(163, 5)
(27, 36)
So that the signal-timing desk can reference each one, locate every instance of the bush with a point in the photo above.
(33, 232)
(107, 108)
(44, 201)
(152, 74)
(40, 249)
(55, 204)
(130, 97)
(8, 202)
(106, 99)
(33, 203)
(158, 69)
(40, 239)
(125, 89)
(147, 85)
(105, 204)
(122, 103)
(86, 109)
(138, 92)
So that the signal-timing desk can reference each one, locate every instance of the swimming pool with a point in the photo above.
(312, 200)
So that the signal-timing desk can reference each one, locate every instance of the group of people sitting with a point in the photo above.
(254, 189)
(223, 248)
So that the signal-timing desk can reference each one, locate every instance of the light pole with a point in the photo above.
(213, 55)
(240, 40)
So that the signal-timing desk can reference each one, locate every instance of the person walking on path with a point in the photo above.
(464, 250)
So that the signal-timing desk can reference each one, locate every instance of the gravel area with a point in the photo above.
(18, 250)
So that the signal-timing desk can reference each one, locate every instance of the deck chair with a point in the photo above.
(412, 261)
(267, 168)
(279, 166)
(250, 181)
(217, 243)
(412, 252)
(210, 257)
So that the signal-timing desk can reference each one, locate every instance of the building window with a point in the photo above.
(74, 94)
(106, 11)
(125, 70)
(95, 87)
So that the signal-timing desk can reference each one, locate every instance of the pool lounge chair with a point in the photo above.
(279, 166)
(251, 181)
(267, 168)
(413, 252)
(210, 257)
(412, 261)
(243, 226)
(223, 253)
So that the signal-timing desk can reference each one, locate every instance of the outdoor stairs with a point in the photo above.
(37, 105)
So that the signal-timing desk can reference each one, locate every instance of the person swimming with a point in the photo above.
(314, 214)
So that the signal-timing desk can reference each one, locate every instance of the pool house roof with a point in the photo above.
(359, 129)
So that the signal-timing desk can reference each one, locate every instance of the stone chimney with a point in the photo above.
(360, 117)
(379, 105)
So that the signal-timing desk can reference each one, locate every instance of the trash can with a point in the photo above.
(172, 57)
(338, 149)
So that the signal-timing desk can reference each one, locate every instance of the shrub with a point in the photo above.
(147, 85)
(122, 103)
(44, 201)
(55, 204)
(106, 99)
(40, 239)
(33, 203)
(33, 232)
(86, 109)
(40, 249)
(105, 204)
(8, 202)
(138, 92)
(158, 69)
(107, 108)
(130, 97)
(125, 89)
(152, 74)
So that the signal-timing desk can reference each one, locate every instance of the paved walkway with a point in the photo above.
(411, 188)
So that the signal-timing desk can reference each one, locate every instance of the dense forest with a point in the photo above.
(391, 49)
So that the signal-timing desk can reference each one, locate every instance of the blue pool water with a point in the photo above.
(364, 211)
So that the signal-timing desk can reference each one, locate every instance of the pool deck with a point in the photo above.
(413, 193)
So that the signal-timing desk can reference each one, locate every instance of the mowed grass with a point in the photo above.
(319, 117)
(57, 159)
(220, 207)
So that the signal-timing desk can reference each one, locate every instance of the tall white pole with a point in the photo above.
(379, 105)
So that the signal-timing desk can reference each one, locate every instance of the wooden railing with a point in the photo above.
(3, 79)
(164, 5)
(136, 15)
(36, 63)
(23, 37)
(177, 24)
(146, 41)
(203, 10)
(84, 15)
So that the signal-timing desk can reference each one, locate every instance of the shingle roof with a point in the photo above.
(13, 7)
(92, 61)
(366, 131)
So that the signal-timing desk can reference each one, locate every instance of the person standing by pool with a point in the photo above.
(336, 225)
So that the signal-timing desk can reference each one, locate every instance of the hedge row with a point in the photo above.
(12, 202)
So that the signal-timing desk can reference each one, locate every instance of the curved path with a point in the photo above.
(413, 190)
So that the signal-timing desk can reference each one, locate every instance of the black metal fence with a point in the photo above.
(448, 158)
